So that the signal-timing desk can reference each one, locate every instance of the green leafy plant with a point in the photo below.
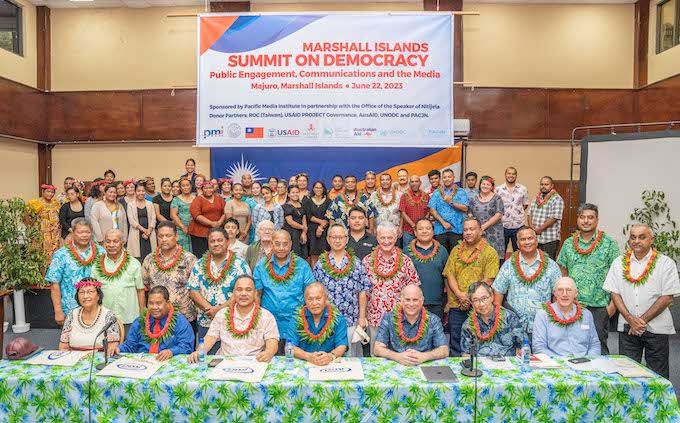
(657, 215)
(22, 259)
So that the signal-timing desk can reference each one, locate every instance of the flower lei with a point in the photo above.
(559, 321)
(597, 240)
(326, 331)
(640, 280)
(285, 277)
(343, 194)
(540, 203)
(165, 332)
(231, 327)
(415, 203)
(422, 329)
(112, 276)
(474, 258)
(175, 259)
(207, 258)
(333, 271)
(389, 275)
(421, 257)
(494, 329)
(453, 194)
(389, 203)
(75, 256)
(528, 280)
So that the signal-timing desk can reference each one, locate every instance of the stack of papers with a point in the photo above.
(241, 369)
(132, 368)
(58, 358)
(600, 364)
(629, 368)
(545, 362)
(489, 364)
(346, 370)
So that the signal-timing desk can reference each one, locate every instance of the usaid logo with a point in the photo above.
(131, 366)
(336, 370)
(57, 355)
(239, 370)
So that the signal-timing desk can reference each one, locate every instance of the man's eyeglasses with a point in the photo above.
(481, 300)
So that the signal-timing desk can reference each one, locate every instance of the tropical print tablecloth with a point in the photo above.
(180, 392)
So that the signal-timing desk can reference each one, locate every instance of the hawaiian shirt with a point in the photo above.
(471, 192)
(389, 213)
(433, 337)
(415, 213)
(447, 212)
(344, 293)
(337, 337)
(589, 271)
(338, 211)
(539, 215)
(514, 202)
(213, 293)
(505, 342)
(174, 280)
(384, 294)
(485, 267)
(260, 213)
(525, 299)
(67, 273)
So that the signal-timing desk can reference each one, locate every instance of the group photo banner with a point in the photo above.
(336, 79)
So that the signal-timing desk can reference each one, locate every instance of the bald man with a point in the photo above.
(401, 336)
(564, 328)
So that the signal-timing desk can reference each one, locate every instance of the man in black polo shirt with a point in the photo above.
(360, 241)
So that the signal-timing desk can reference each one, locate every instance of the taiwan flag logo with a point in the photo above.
(254, 132)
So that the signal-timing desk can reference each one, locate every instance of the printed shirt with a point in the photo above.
(388, 213)
(485, 267)
(180, 342)
(344, 292)
(447, 212)
(415, 213)
(174, 280)
(67, 273)
(589, 271)
(509, 337)
(213, 293)
(338, 211)
(120, 294)
(253, 343)
(337, 338)
(260, 213)
(576, 340)
(514, 202)
(388, 333)
(553, 209)
(430, 273)
(471, 192)
(283, 299)
(384, 294)
(663, 280)
(525, 299)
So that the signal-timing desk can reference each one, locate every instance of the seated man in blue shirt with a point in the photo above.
(564, 328)
(160, 330)
(321, 333)
(410, 334)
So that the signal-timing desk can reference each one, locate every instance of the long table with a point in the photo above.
(180, 392)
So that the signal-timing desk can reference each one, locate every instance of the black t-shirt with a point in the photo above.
(364, 246)
(163, 205)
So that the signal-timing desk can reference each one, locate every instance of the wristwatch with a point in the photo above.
(334, 356)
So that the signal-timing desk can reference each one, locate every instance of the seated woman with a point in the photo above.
(84, 323)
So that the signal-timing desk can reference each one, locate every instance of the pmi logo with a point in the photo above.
(209, 133)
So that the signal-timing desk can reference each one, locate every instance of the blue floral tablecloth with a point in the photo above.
(180, 392)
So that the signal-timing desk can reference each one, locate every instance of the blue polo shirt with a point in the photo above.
(337, 338)
(388, 333)
(447, 211)
(283, 299)
(430, 273)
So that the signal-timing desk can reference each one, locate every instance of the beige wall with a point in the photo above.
(663, 65)
(19, 171)
(127, 160)
(22, 69)
(560, 46)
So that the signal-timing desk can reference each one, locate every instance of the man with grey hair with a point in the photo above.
(121, 278)
(389, 271)
(70, 264)
(586, 257)
(263, 246)
(642, 284)
(565, 328)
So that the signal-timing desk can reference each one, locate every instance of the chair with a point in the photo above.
(121, 327)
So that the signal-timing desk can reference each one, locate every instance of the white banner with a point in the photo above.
(325, 80)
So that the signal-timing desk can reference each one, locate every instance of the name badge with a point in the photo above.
(585, 327)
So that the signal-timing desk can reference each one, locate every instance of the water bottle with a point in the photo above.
(289, 348)
(201, 351)
(526, 356)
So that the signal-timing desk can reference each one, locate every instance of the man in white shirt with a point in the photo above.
(643, 283)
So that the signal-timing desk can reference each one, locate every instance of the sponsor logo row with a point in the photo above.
(234, 130)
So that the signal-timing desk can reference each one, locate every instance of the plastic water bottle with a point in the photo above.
(289, 348)
(201, 351)
(526, 356)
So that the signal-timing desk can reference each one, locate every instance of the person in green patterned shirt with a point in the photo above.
(586, 257)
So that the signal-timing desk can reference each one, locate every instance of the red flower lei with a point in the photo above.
(117, 269)
(540, 203)
(424, 320)
(344, 197)
(424, 258)
(227, 265)
(389, 203)
(563, 322)
(325, 327)
(474, 257)
(175, 259)
(253, 321)
(76, 255)
(591, 248)
(520, 273)
(645, 273)
(493, 330)
(386, 276)
(284, 278)
(453, 194)
(335, 272)
(160, 336)
(415, 203)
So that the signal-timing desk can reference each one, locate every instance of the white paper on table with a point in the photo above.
(347, 370)
(489, 364)
(628, 368)
(58, 358)
(132, 368)
(545, 362)
(599, 364)
(240, 369)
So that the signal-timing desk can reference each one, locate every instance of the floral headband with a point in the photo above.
(223, 180)
(205, 183)
(302, 174)
(47, 186)
(130, 182)
(88, 282)
(102, 182)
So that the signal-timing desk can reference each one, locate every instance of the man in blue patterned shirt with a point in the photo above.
(447, 205)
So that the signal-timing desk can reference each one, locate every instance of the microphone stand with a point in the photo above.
(473, 371)
(105, 344)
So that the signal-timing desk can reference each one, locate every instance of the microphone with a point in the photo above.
(472, 370)
(107, 327)
(105, 344)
